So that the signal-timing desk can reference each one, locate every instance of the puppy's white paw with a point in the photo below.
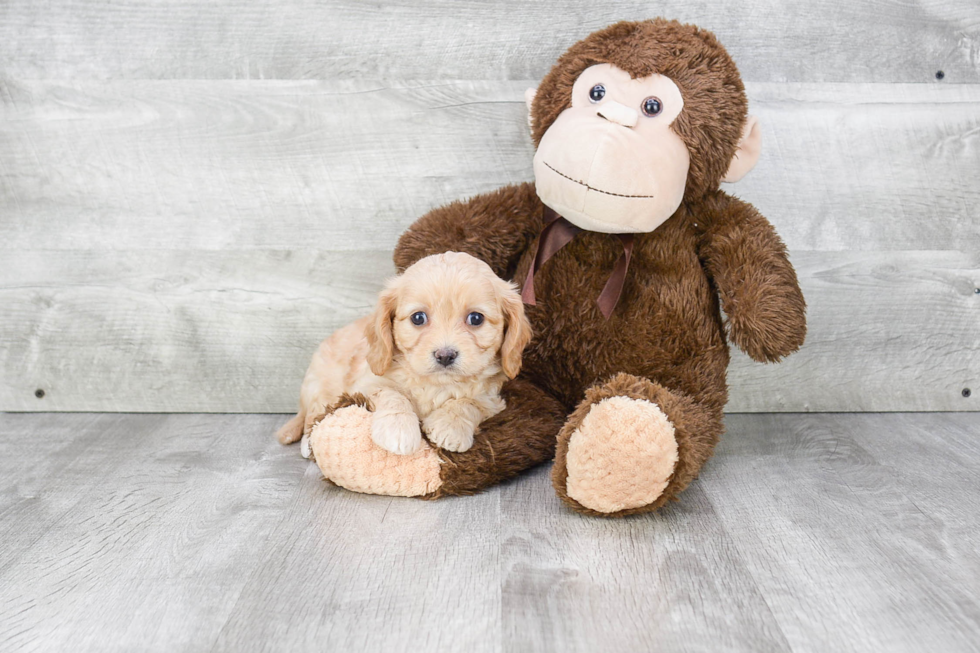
(397, 432)
(447, 431)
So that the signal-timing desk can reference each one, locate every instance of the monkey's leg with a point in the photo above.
(630, 446)
(521, 436)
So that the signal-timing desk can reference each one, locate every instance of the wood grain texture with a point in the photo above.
(145, 525)
(174, 331)
(370, 573)
(199, 532)
(54, 463)
(822, 41)
(671, 581)
(234, 330)
(886, 331)
(349, 165)
(182, 246)
(837, 540)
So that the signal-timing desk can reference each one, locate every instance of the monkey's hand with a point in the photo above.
(757, 283)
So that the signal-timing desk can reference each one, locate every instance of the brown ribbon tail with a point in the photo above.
(609, 296)
(527, 293)
(557, 233)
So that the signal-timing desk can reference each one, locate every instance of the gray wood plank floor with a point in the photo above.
(806, 532)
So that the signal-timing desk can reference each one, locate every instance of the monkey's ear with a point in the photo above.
(747, 154)
(529, 100)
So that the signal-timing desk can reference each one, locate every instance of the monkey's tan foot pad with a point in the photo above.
(621, 456)
(347, 456)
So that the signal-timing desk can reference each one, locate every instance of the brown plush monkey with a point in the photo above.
(623, 247)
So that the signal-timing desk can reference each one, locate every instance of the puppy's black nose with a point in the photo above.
(445, 356)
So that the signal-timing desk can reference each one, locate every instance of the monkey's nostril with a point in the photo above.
(617, 114)
(445, 356)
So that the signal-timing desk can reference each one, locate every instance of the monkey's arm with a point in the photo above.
(495, 227)
(759, 291)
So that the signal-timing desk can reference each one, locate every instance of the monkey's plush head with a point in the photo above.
(636, 118)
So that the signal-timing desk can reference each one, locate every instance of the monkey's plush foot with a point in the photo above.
(620, 456)
(344, 451)
(630, 446)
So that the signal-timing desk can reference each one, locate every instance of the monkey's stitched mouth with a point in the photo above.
(598, 190)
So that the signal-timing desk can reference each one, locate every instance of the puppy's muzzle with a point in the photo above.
(445, 356)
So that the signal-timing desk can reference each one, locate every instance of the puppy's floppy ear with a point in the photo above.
(381, 340)
(517, 329)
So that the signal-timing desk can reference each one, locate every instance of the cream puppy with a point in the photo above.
(444, 337)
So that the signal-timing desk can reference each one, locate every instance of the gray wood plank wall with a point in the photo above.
(193, 195)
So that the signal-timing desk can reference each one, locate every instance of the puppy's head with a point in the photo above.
(449, 316)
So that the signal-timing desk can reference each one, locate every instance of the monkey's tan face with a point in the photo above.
(611, 162)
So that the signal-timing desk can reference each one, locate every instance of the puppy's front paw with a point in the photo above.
(397, 432)
(448, 431)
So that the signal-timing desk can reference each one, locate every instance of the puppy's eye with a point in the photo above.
(474, 319)
(597, 92)
(418, 319)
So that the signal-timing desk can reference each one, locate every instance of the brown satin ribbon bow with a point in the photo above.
(557, 233)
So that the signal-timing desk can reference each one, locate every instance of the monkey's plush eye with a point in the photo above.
(597, 93)
(652, 106)
(418, 319)
(474, 319)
